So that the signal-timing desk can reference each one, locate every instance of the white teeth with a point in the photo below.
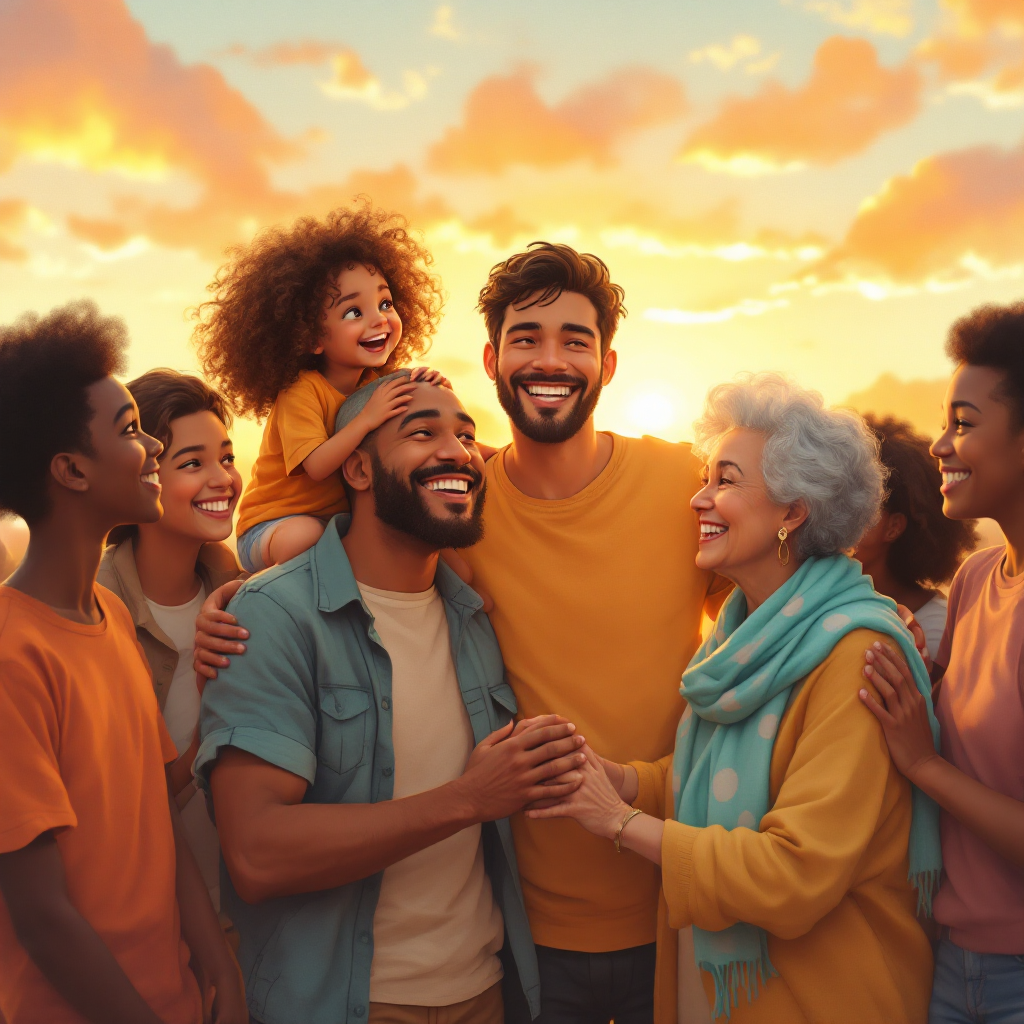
(453, 484)
(954, 477)
(151, 478)
(710, 529)
(549, 390)
(214, 506)
(370, 341)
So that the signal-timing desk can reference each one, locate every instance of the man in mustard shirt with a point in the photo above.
(588, 554)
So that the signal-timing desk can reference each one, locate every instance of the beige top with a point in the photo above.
(437, 929)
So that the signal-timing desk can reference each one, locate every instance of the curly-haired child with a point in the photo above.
(300, 318)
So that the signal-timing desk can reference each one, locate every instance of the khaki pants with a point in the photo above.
(485, 1008)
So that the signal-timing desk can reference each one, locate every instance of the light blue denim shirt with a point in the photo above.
(313, 696)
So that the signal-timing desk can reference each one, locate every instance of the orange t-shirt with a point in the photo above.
(301, 420)
(597, 608)
(82, 753)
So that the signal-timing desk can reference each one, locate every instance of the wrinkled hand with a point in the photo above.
(920, 642)
(903, 712)
(507, 770)
(595, 804)
(217, 634)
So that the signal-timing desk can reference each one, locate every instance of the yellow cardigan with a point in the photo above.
(826, 875)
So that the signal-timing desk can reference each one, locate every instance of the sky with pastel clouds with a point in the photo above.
(814, 186)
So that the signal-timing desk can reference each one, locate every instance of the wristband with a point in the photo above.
(630, 815)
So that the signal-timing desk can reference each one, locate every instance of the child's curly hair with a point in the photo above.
(259, 330)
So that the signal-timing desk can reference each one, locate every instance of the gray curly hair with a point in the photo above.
(828, 458)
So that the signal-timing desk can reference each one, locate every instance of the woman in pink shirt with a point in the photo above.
(979, 685)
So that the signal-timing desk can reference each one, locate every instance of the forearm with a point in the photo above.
(285, 849)
(995, 818)
(328, 457)
(179, 774)
(643, 834)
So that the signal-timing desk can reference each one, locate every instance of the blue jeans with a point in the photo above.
(248, 544)
(976, 988)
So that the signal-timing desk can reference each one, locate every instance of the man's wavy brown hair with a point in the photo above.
(259, 330)
(546, 270)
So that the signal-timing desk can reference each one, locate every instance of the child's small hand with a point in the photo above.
(386, 401)
(425, 375)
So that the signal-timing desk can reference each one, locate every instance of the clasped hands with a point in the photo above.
(542, 766)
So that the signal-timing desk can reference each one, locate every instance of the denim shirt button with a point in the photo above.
(388, 772)
(359, 1010)
(364, 938)
(385, 704)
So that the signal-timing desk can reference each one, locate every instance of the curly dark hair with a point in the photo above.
(550, 269)
(162, 397)
(47, 365)
(993, 336)
(259, 330)
(931, 548)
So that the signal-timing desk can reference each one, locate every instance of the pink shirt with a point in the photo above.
(981, 712)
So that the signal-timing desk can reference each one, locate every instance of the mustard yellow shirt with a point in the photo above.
(825, 876)
(597, 608)
(300, 421)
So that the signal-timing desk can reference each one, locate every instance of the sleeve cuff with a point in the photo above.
(650, 797)
(18, 836)
(677, 870)
(294, 459)
(271, 747)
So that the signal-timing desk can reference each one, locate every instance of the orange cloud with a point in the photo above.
(887, 17)
(848, 102)
(979, 37)
(506, 122)
(954, 217)
(13, 214)
(83, 85)
(306, 51)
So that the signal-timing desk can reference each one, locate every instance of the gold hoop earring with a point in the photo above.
(783, 547)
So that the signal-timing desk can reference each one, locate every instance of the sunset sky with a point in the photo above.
(816, 186)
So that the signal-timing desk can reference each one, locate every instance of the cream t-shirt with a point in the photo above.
(437, 929)
(181, 713)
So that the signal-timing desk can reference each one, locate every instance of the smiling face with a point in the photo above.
(739, 523)
(549, 369)
(360, 324)
(121, 472)
(426, 476)
(981, 449)
(201, 485)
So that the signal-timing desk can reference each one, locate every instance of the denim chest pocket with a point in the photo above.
(343, 725)
(503, 696)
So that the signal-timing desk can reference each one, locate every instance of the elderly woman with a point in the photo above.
(790, 845)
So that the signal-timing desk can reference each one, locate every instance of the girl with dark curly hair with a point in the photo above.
(913, 548)
(300, 318)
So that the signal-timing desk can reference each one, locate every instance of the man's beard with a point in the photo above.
(549, 429)
(400, 505)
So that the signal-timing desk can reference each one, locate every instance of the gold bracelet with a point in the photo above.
(630, 815)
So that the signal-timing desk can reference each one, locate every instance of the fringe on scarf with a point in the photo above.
(927, 884)
(730, 977)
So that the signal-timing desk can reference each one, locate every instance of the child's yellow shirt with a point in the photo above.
(301, 420)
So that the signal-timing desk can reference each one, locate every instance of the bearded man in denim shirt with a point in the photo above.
(361, 756)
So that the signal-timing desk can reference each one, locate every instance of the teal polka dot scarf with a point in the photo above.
(737, 687)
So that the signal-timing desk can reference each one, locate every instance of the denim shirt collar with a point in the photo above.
(336, 585)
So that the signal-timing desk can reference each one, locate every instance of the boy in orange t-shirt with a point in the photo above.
(100, 891)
